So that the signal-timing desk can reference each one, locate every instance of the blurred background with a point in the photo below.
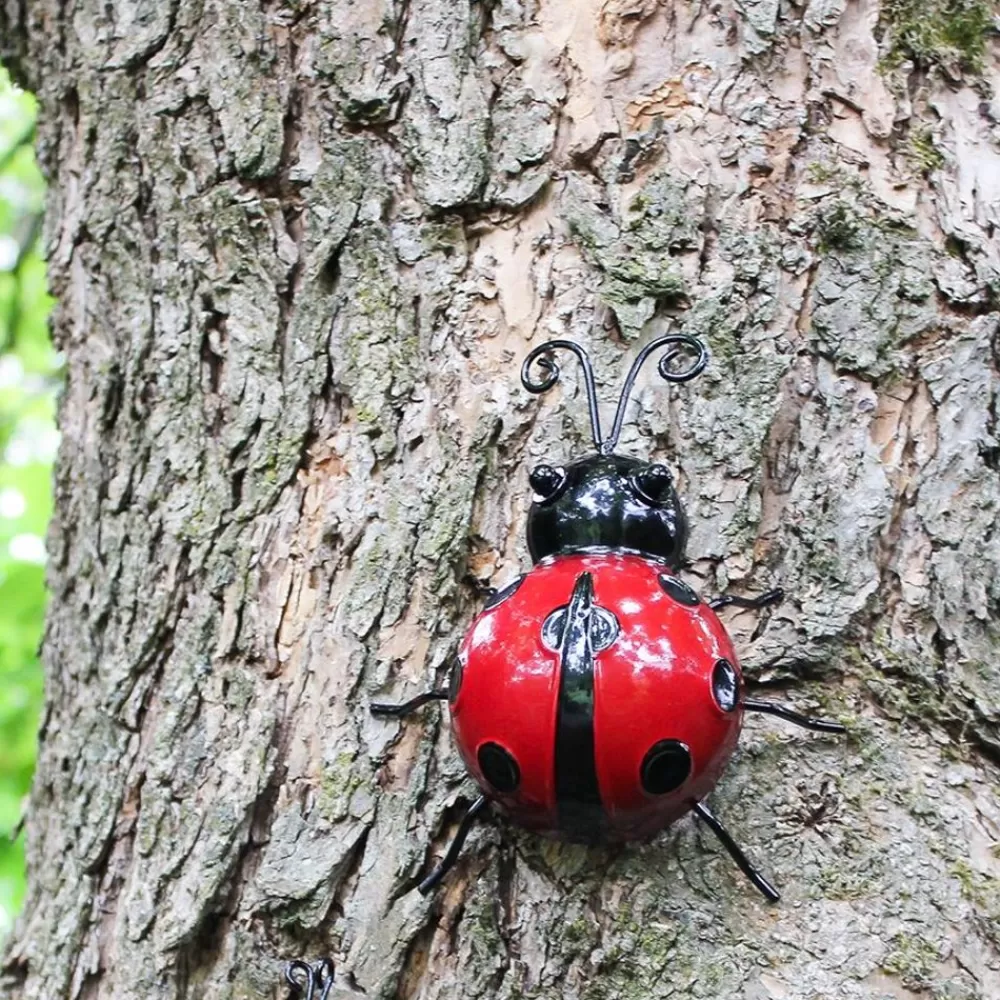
(29, 375)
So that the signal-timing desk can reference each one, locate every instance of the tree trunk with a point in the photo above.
(300, 250)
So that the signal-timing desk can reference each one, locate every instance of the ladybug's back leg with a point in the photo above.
(706, 815)
(789, 715)
(735, 852)
(448, 861)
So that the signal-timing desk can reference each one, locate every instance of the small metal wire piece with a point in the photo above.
(548, 365)
(304, 979)
(681, 344)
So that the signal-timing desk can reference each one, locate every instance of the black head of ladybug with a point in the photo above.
(606, 499)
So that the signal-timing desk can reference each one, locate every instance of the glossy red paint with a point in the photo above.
(654, 682)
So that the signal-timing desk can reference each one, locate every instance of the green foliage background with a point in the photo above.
(28, 376)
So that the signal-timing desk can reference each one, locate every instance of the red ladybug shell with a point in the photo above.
(589, 689)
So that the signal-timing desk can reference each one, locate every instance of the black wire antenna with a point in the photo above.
(680, 346)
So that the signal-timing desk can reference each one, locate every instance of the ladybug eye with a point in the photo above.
(547, 481)
(665, 767)
(654, 485)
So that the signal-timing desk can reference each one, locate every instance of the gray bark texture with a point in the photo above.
(300, 250)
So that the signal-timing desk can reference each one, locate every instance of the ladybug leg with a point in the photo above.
(303, 979)
(783, 712)
(765, 600)
(742, 861)
(448, 861)
(407, 707)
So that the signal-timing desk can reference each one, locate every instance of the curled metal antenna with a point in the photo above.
(304, 980)
(551, 376)
(680, 345)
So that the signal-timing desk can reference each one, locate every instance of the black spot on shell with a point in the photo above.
(725, 685)
(665, 767)
(499, 768)
(455, 680)
(678, 590)
(499, 596)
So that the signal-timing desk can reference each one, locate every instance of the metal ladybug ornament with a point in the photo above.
(597, 698)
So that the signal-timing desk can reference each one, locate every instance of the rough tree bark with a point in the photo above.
(300, 249)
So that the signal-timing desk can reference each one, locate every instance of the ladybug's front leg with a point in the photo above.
(408, 707)
(493, 597)
(765, 600)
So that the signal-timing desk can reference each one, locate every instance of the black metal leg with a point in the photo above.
(782, 712)
(381, 708)
(742, 862)
(448, 862)
(765, 600)
(304, 979)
